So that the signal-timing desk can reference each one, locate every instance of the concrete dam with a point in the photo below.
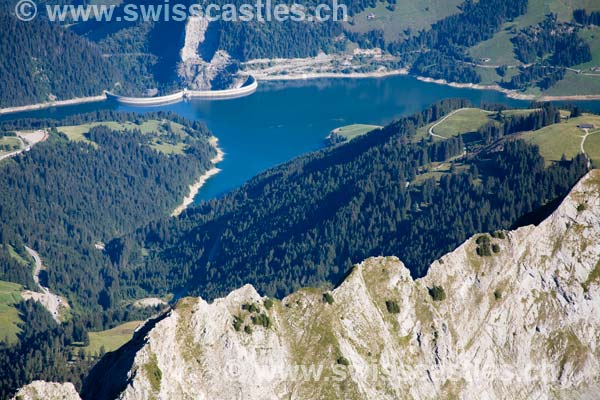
(246, 89)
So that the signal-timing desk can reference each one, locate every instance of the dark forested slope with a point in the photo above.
(41, 62)
(44, 61)
(306, 222)
(64, 196)
(303, 223)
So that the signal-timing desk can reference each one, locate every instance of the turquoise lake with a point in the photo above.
(285, 119)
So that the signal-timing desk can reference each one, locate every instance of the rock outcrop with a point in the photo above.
(194, 71)
(40, 390)
(509, 315)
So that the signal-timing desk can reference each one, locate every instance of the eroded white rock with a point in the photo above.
(41, 390)
(521, 323)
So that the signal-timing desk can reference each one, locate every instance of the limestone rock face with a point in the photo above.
(195, 72)
(519, 321)
(40, 390)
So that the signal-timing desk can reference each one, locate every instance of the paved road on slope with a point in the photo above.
(37, 269)
(51, 301)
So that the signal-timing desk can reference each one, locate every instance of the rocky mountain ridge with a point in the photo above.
(505, 315)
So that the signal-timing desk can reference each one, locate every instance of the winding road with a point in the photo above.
(587, 133)
(52, 302)
(583, 138)
(432, 133)
(37, 269)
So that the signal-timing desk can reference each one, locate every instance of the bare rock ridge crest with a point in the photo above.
(511, 315)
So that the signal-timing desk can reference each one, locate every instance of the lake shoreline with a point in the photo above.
(50, 104)
(284, 120)
(512, 94)
(222, 94)
(201, 181)
(332, 75)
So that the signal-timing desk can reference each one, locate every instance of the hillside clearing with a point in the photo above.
(9, 144)
(565, 138)
(9, 316)
(76, 132)
(151, 127)
(463, 121)
(591, 35)
(592, 147)
(111, 339)
(353, 131)
(499, 49)
(406, 17)
(574, 85)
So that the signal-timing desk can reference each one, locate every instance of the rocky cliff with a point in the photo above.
(195, 72)
(47, 391)
(512, 315)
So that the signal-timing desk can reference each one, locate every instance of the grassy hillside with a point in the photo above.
(168, 137)
(554, 141)
(499, 49)
(402, 21)
(464, 121)
(75, 132)
(565, 138)
(406, 17)
(573, 84)
(592, 36)
(592, 148)
(10, 294)
(111, 339)
(9, 144)
(353, 131)
(562, 8)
